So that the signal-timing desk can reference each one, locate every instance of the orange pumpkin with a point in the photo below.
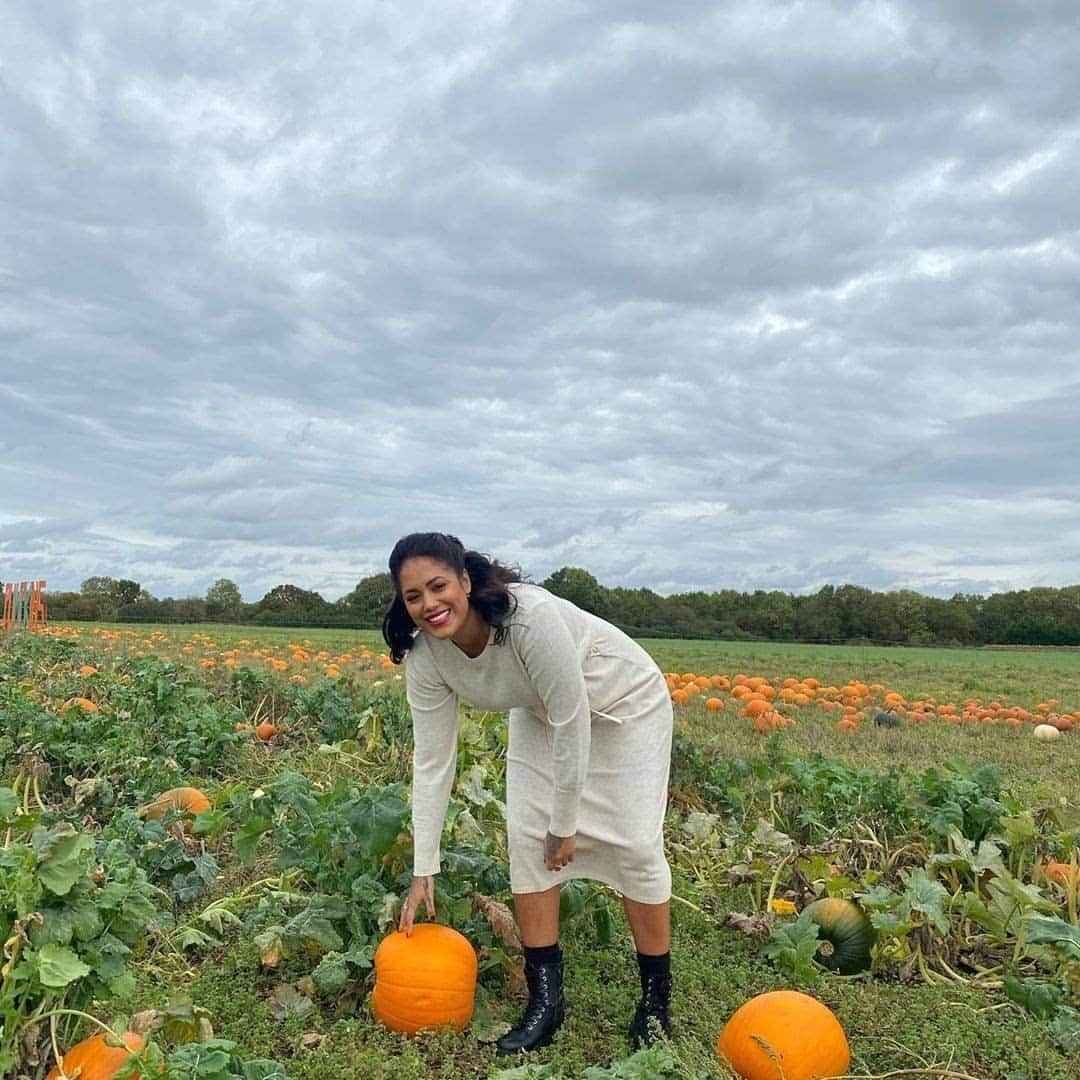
(424, 981)
(81, 702)
(1062, 873)
(804, 1039)
(265, 731)
(93, 1059)
(181, 800)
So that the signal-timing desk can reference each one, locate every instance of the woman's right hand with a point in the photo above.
(422, 890)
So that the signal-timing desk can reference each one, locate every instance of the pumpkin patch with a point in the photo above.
(843, 836)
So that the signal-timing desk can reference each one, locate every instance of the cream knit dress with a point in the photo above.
(589, 749)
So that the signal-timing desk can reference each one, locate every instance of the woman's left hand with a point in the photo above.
(558, 851)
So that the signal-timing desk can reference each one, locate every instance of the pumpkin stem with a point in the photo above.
(693, 907)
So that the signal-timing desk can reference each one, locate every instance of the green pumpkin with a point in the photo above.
(846, 934)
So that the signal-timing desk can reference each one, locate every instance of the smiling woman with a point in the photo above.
(587, 759)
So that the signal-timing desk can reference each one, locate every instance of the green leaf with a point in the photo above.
(262, 1069)
(604, 924)
(700, 825)
(331, 974)
(218, 918)
(123, 986)
(86, 921)
(190, 938)
(946, 817)
(793, 946)
(891, 923)
(1039, 998)
(928, 896)
(767, 836)
(287, 1001)
(654, 1063)
(1061, 936)
(246, 838)
(376, 819)
(1019, 830)
(1065, 1028)
(202, 1061)
(9, 803)
(210, 823)
(57, 966)
(184, 1022)
(549, 1071)
(572, 898)
(63, 861)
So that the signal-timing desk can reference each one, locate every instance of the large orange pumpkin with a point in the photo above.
(804, 1039)
(424, 981)
(181, 800)
(92, 1059)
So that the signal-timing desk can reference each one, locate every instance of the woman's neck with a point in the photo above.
(473, 637)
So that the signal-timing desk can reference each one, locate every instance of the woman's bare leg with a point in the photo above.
(538, 917)
(650, 925)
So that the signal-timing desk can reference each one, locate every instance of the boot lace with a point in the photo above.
(540, 995)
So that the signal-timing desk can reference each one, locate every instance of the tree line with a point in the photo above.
(844, 613)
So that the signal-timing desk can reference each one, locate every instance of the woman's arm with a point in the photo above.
(434, 708)
(552, 660)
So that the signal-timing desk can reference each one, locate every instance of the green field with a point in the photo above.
(893, 816)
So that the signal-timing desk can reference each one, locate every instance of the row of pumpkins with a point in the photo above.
(428, 980)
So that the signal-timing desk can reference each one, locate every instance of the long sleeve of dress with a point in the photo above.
(550, 655)
(434, 709)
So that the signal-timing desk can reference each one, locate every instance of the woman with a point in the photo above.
(587, 760)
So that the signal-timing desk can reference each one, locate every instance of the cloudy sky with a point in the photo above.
(692, 294)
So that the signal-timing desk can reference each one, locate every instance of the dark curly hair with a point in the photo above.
(490, 595)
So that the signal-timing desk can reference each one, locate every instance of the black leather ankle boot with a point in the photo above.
(544, 1013)
(651, 1016)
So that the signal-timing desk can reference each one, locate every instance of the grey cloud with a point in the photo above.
(746, 295)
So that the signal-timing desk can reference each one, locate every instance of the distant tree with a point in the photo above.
(98, 586)
(223, 600)
(950, 622)
(369, 601)
(126, 591)
(190, 609)
(579, 587)
(64, 606)
(289, 604)
(100, 596)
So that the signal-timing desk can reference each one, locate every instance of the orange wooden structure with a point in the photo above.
(24, 608)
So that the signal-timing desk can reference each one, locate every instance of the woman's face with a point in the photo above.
(435, 597)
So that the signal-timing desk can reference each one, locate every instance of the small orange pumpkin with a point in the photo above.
(424, 981)
(1062, 873)
(804, 1039)
(265, 731)
(81, 702)
(94, 1059)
